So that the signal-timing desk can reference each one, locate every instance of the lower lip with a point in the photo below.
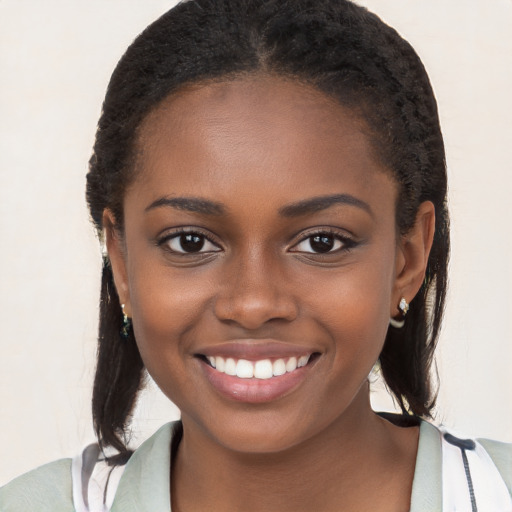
(254, 390)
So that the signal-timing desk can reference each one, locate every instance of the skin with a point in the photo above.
(256, 145)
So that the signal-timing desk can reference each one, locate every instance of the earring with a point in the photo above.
(403, 306)
(127, 324)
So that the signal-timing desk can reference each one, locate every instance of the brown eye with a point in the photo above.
(187, 243)
(322, 243)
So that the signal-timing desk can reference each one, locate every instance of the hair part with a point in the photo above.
(344, 51)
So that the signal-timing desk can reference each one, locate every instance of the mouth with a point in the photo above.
(262, 369)
(256, 379)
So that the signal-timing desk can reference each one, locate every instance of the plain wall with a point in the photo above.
(55, 61)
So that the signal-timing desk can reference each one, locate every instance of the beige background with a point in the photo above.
(55, 60)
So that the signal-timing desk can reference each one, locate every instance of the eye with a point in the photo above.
(322, 243)
(188, 243)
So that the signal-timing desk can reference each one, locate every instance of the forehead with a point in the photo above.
(261, 127)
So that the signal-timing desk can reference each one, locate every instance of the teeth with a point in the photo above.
(303, 361)
(263, 369)
(279, 367)
(230, 368)
(220, 364)
(291, 364)
(244, 369)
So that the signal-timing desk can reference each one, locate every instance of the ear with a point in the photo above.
(412, 256)
(117, 255)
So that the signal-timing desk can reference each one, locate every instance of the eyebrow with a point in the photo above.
(189, 204)
(207, 207)
(320, 203)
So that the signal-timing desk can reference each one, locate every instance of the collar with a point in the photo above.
(145, 481)
(427, 484)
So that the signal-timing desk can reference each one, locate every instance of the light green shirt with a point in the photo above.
(144, 485)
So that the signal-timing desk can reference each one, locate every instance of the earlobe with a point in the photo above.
(412, 257)
(117, 256)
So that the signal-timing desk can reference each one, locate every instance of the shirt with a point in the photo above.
(144, 485)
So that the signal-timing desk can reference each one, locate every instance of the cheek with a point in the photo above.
(166, 305)
(353, 306)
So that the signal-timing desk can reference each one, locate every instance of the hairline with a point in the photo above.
(354, 109)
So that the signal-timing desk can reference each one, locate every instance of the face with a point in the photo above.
(260, 261)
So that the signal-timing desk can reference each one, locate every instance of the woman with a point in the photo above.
(269, 178)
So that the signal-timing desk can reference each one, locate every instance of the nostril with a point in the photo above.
(252, 311)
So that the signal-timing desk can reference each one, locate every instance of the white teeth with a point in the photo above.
(279, 367)
(219, 364)
(230, 368)
(262, 369)
(244, 369)
(291, 364)
(303, 361)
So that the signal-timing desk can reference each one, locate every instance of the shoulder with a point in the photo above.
(501, 454)
(47, 488)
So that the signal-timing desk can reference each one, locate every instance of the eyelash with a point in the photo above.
(164, 241)
(347, 243)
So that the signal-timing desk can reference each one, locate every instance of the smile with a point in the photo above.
(253, 373)
(262, 369)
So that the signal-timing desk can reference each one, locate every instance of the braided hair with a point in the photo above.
(344, 51)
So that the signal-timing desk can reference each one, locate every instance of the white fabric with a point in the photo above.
(490, 490)
(115, 477)
(103, 477)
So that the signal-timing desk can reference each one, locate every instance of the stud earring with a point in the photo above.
(127, 324)
(403, 306)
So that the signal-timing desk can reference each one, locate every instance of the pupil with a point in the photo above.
(322, 243)
(191, 242)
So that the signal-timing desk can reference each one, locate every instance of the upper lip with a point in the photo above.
(255, 350)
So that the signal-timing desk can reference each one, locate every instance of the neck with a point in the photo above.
(356, 462)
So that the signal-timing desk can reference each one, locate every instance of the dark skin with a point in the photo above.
(263, 149)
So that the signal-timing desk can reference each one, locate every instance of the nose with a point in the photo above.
(254, 292)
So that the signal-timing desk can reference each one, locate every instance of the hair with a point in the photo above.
(344, 51)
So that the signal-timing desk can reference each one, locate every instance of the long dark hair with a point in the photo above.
(339, 48)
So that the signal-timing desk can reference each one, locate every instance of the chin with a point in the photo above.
(255, 439)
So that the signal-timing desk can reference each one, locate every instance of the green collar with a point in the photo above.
(145, 481)
(427, 484)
